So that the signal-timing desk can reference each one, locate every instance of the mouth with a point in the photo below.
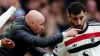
(40, 31)
(79, 27)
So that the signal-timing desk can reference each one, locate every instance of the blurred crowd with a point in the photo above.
(55, 12)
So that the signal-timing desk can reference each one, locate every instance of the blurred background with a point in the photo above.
(55, 12)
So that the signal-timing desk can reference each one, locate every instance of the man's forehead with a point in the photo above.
(42, 21)
(80, 14)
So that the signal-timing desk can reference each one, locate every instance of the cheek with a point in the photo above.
(35, 28)
(74, 22)
(83, 21)
(38, 28)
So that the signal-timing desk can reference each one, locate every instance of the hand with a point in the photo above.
(15, 4)
(72, 32)
(7, 43)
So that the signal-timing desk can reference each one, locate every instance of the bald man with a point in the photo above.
(23, 32)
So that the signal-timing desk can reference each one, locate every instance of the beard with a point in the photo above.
(77, 26)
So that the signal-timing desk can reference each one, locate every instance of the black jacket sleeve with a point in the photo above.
(37, 41)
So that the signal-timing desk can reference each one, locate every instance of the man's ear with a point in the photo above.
(69, 19)
(68, 16)
(85, 13)
(86, 17)
(32, 24)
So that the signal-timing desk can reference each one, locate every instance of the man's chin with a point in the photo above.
(79, 27)
(39, 32)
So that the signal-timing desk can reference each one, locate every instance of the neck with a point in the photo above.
(84, 26)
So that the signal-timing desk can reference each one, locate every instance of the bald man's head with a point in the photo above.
(35, 16)
(35, 20)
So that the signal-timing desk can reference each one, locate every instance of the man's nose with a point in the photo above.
(42, 27)
(79, 21)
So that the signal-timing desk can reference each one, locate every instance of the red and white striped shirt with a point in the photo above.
(87, 43)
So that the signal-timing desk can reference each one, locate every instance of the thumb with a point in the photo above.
(9, 42)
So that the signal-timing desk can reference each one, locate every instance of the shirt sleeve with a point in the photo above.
(4, 17)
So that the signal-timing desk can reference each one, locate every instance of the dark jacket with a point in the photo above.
(23, 37)
(37, 51)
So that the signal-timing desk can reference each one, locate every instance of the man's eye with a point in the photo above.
(81, 18)
(75, 19)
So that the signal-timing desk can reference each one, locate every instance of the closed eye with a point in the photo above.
(81, 17)
(75, 19)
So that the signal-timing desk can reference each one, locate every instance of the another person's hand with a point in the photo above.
(72, 32)
(15, 4)
(7, 43)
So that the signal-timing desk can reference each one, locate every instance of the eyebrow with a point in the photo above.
(82, 16)
(74, 17)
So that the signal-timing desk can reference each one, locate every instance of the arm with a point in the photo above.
(21, 33)
(4, 17)
(38, 41)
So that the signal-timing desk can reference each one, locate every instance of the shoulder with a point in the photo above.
(19, 22)
(93, 23)
(19, 18)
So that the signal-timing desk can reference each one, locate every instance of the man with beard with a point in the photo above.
(87, 42)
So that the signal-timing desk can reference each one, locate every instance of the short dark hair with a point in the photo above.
(76, 8)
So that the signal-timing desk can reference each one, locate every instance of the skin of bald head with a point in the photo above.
(35, 21)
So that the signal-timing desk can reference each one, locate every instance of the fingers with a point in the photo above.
(78, 30)
(73, 32)
(11, 43)
(7, 43)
